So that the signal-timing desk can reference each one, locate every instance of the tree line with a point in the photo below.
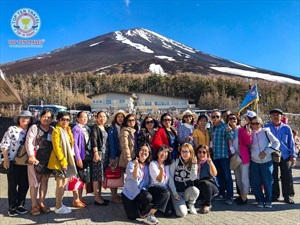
(207, 91)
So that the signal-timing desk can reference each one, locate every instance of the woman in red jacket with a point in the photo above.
(166, 135)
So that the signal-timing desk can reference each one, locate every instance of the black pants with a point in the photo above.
(138, 205)
(161, 198)
(207, 190)
(18, 185)
(286, 179)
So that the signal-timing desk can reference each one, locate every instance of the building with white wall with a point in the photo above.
(139, 102)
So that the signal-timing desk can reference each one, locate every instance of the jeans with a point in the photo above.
(161, 198)
(224, 177)
(207, 190)
(261, 174)
(286, 179)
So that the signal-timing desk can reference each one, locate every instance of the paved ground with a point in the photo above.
(113, 214)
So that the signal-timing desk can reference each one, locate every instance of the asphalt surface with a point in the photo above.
(114, 214)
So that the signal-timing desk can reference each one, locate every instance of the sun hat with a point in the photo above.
(119, 112)
(250, 114)
(187, 113)
(24, 113)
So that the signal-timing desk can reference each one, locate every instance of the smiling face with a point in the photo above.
(202, 123)
(216, 118)
(120, 118)
(202, 154)
(46, 119)
(149, 123)
(64, 121)
(162, 155)
(131, 121)
(232, 120)
(24, 121)
(185, 153)
(255, 124)
(144, 153)
(101, 118)
(188, 119)
(83, 118)
(276, 118)
(167, 121)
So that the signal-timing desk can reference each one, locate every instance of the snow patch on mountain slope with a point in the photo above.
(157, 69)
(165, 57)
(253, 74)
(142, 48)
(95, 44)
(139, 32)
(241, 64)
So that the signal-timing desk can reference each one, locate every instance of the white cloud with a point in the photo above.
(127, 2)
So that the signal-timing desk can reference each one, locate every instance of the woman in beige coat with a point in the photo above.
(127, 140)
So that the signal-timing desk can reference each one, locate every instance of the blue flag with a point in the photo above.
(251, 97)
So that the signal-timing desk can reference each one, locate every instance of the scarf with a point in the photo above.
(200, 164)
(67, 150)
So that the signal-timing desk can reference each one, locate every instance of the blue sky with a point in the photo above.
(259, 33)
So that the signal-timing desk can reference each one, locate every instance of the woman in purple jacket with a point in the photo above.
(82, 146)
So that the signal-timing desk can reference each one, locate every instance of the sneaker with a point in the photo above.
(260, 205)
(62, 210)
(150, 219)
(268, 205)
(219, 198)
(229, 201)
(21, 210)
(12, 212)
(192, 209)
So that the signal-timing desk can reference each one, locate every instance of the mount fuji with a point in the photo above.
(137, 51)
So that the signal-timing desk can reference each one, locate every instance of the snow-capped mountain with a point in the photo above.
(136, 51)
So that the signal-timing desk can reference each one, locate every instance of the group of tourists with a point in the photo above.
(167, 168)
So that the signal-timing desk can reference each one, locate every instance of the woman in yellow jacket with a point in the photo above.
(61, 159)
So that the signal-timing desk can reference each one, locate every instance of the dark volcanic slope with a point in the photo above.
(130, 51)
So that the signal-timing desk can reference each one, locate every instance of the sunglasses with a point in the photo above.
(167, 120)
(201, 152)
(64, 120)
(232, 118)
(131, 120)
(255, 124)
(189, 116)
(149, 122)
(213, 117)
(185, 152)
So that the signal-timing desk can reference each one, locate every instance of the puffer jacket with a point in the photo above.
(126, 145)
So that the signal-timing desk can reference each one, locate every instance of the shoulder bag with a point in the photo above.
(21, 157)
(113, 177)
(276, 155)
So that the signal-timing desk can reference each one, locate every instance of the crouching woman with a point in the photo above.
(183, 172)
(135, 197)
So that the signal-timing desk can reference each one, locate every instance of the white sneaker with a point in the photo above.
(150, 219)
(62, 210)
(192, 209)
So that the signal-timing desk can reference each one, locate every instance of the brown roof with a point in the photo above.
(7, 93)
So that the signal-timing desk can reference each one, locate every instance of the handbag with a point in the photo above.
(74, 184)
(235, 161)
(276, 155)
(85, 173)
(113, 177)
(21, 157)
(2, 169)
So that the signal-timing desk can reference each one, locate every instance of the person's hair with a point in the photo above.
(162, 118)
(295, 132)
(204, 147)
(47, 111)
(125, 121)
(226, 111)
(168, 160)
(61, 114)
(236, 116)
(114, 122)
(149, 158)
(98, 113)
(259, 119)
(202, 116)
(143, 125)
(216, 110)
(79, 114)
(192, 153)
